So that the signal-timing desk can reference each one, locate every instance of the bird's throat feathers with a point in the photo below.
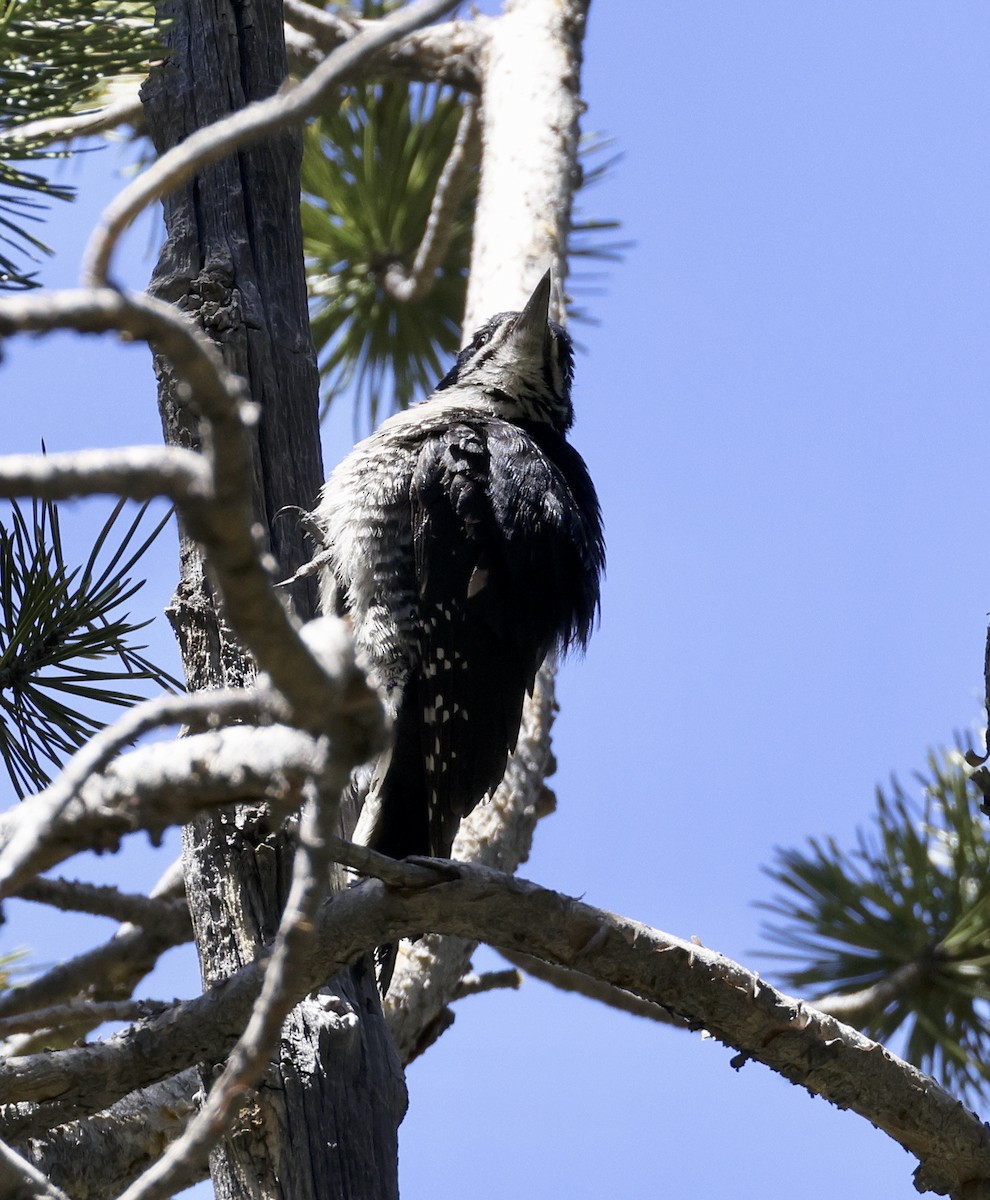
(515, 372)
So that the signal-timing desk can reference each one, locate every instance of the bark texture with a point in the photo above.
(531, 103)
(324, 1124)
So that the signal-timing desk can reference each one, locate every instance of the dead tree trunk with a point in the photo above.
(324, 1123)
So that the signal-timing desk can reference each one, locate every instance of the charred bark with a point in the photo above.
(324, 1122)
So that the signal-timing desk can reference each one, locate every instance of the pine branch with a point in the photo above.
(449, 195)
(54, 58)
(401, 164)
(56, 623)
(895, 933)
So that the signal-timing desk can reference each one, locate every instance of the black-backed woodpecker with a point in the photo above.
(464, 541)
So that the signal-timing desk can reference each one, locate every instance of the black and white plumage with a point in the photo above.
(464, 541)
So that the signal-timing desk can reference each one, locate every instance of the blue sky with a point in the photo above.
(781, 405)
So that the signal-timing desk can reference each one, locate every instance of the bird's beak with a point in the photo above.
(531, 333)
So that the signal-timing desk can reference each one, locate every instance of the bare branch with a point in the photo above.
(107, 972)
(204, 710)
(210, 144)
(154, 788)
(218, 393)
(342, 706)
(293, 945)
(474, 984)
(99, 1156)
(449, 53)
(332, 28)
(102, 900)
(532, 104)
(128, 958)
(126, 110)
(365, 861)
(855, 1008)
(566, 979)
(705, 989)
(710, 992)
(137, 472)
(83, 1012)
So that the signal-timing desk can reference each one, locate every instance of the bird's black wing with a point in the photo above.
(498, 543)
(472, 672)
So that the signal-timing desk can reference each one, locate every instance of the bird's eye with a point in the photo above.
(482, 338)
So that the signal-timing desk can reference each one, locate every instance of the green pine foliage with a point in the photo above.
(11, 964)
(57, 54)
(591, 240)
(910, 902)
(55, 57)
(66, 645)
(369, 176)
(370, 173)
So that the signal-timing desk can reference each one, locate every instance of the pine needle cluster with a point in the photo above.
(66, 644)
(901, 923)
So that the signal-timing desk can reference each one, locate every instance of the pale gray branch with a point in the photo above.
(80, 1013)
(97, 1157)
(293, 944)
(449, 53)
(332, 28)
(704, 988)
(137, 472)
(204, 710)
(531, 101)
(108, 972)
(126, 110)
(856, 1008)
(153, 788)
(196, 361)
(102, 900)
(566, 979)
(474, 984)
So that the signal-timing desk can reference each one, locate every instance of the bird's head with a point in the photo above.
(522, 362)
